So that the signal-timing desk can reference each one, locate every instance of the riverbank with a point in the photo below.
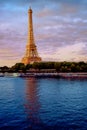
(43, 75)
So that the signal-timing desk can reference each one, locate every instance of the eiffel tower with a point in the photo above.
(31, 54)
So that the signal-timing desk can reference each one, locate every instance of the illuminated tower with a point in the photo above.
(31, 54)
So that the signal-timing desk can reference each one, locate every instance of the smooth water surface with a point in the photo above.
(39, 104)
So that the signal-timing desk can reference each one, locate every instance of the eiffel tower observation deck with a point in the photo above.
(31, 54)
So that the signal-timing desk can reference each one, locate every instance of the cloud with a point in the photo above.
(59, 27)
(68, 53)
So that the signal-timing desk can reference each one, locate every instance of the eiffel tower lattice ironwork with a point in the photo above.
(31, 54)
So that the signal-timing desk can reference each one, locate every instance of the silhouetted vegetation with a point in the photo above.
(58, 66)
(4, 69)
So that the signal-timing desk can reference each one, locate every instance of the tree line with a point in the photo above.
(58, 66)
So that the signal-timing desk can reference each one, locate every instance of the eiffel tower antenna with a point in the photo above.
(31, 54)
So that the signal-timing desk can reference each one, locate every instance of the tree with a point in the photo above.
(18, 67)
(4, 69)
(28, 66)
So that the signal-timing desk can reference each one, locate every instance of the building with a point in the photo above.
(31, 54)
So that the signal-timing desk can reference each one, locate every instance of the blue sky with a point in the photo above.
(60, 29)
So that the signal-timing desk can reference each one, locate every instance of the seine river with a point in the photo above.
(39, 104)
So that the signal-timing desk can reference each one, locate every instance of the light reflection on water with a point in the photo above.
(32, 101)
(43, 104)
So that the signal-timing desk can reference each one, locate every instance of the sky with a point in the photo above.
(60, 29)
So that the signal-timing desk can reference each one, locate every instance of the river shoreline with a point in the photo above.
(47, 75)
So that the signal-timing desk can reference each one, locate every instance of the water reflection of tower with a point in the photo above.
(32, 103)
